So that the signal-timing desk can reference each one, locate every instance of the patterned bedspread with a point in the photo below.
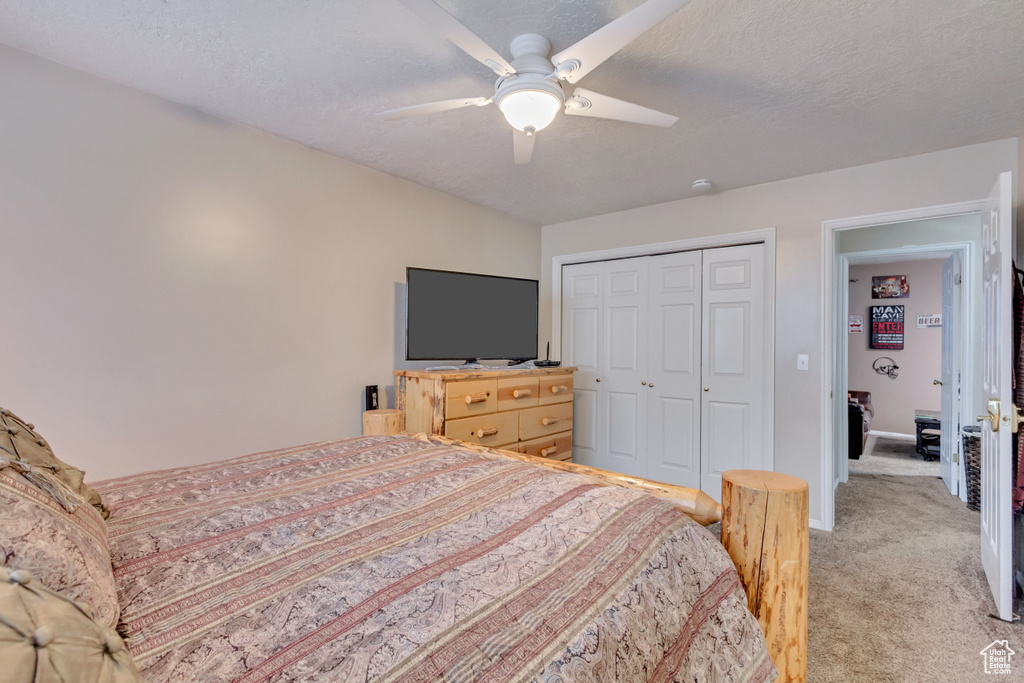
(393, 559)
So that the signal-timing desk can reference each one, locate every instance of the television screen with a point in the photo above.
(455, 316)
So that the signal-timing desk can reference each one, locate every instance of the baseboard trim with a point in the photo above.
(816, 524)
(894, 435)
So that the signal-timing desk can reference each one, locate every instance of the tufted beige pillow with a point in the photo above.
(66, 550)
(19, 441)
(45, 637)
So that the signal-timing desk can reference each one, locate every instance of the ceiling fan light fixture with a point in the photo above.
(534, 109)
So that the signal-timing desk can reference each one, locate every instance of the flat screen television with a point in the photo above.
(451, 315)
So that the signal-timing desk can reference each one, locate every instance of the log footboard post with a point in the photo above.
(764, 529)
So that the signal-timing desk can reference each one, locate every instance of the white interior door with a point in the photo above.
(582, 323)
(673, 369)
(996, 437)
(623, 415)
(733, 363)
(950, 377)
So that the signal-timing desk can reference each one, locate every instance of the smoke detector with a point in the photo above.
(702, 185)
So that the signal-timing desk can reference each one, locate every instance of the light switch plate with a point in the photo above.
(802, 361)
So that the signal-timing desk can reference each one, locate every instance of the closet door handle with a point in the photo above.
(707, 388)
(598, 379)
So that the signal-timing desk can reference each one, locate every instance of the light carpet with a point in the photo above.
(886, 455)
(897, 591)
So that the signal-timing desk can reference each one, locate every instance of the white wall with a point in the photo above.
(178, 289)
(920, 361)
(796, 208)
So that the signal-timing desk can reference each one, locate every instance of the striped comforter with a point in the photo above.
(394, 559)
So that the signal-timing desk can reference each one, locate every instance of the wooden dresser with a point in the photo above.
(529, 411)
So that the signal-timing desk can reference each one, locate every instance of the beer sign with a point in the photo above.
(887, 327)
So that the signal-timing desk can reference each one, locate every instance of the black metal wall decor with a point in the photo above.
(886, 366)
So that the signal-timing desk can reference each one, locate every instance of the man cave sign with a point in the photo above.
(887, 327)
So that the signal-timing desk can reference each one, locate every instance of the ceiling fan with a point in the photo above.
(529, 90)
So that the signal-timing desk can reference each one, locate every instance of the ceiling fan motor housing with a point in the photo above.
(533, 70)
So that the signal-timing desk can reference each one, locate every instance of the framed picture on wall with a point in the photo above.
(889, 287)
(887, 327)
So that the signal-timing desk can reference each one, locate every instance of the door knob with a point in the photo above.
(651, 385)
(937, 381)
(598, 379)
(644, 383)
(707, 388)
(993, 414)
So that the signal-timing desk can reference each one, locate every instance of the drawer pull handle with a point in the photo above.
(476, 398)
(520, 393)
(486, 431)
(559, 388)
(550, 450)
(549, 421)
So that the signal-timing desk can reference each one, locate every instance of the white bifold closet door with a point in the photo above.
(670, 381)
(733, 364)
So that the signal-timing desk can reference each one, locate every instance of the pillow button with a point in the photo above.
(42, 637)
(21, 577)
(114, 643)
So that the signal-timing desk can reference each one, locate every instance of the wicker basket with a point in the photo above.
(972, 465)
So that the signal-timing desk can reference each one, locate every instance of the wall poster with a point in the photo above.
(929, 320)
(890, 287)
(887, 327)
(856, 324)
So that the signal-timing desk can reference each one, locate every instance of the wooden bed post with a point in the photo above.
(764, 529)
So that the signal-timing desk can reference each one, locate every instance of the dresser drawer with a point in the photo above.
(555, 389)
(545, 420)
(470, 397)
(498, 429)
(557, 447)
(517, 392)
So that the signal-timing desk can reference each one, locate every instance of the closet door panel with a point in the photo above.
(582, 333)
(623, 376)
(727, 427)
(673, 375)
(733, 364)
(730, 334)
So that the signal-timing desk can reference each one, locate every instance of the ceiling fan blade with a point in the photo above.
(590, 103)
(522, 146)
(573, 63)
(432, 108)
(452, 29)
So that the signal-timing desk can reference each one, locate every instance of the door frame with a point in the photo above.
(766, 236)
(834, 339)
(965, 312)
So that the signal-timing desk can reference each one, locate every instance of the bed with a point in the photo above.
(394, 558)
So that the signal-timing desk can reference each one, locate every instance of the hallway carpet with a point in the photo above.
(886, 455)
(897, 591)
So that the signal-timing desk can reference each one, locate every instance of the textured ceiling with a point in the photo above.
(764, 90)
